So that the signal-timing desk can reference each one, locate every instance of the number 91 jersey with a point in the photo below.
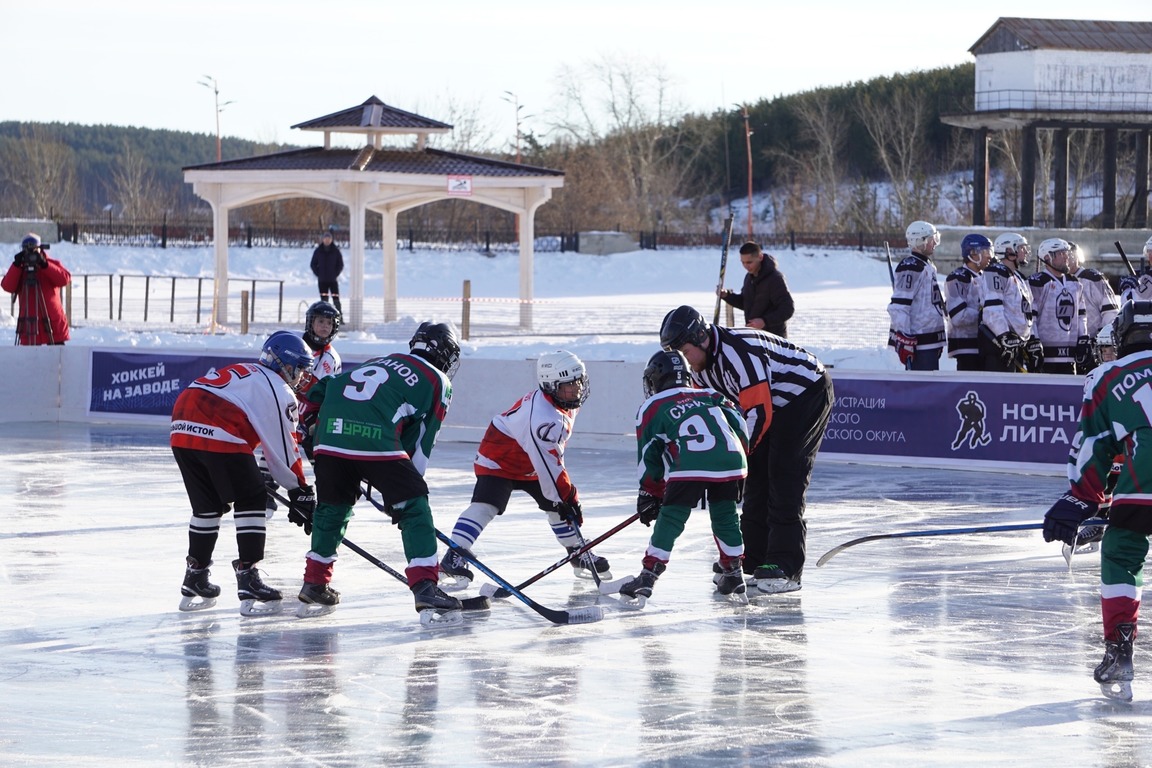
(387, 409)
(689, 434)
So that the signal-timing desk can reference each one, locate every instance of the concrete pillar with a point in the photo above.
(1028, 178)
(1108, 204)
(980, 177)
(1060, 177)
(1140, 201)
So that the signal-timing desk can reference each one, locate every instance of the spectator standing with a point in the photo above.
(327, 264)
(917, 307)
(964, 293)
(35, 281)
(765, 298)
(1059, 310)
(1006, 341)
(786, 398)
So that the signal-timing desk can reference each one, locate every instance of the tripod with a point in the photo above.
(33, 310)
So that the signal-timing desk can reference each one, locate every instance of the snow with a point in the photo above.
(600, 307)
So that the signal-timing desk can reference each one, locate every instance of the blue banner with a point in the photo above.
(146, 383)
(934, 419)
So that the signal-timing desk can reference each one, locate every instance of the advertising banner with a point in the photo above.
(146, 383)
(949, 419)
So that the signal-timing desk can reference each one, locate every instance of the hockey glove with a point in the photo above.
(569, 513)
(303, 507)
(1034, 354)
(1011, 347)
(1085, 354)
(648, 507)
(905, 346)
(1062, 521)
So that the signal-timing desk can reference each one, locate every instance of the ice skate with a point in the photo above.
(1087, 539)
(585, 564)
(197, 592)
(454, 572)
(1114, 673)
(316, 600)
(772, 580)
(634, 593)
(436, 608)
(256, 597)
(730, 583)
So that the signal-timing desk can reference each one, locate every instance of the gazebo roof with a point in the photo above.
(374, 116)
(417, 161)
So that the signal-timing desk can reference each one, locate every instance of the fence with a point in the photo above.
(183, 302)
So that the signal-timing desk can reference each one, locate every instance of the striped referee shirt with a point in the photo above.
(759, 371)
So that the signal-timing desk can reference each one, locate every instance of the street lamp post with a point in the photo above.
(748, 146)
(514, 100)
(210, 82)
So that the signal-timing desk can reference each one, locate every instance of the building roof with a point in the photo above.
(426, 161)
(1017, 34)
(374, 116)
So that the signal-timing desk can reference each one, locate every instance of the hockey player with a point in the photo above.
(1114, 420)
(523, 450)
(691, 444)
(1058, 308)
(1006, 341)
(964, 298)
(1100, 304)
(917, 308)
(786, 397)
(1138, 287)
(378, 423)
(217, 422)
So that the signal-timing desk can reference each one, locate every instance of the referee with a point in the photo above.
(786, 397)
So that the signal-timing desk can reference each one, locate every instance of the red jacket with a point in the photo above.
(40, 318)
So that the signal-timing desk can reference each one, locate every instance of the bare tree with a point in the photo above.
(816, 173)
(897, 127)
(38, 172)
(134, 187)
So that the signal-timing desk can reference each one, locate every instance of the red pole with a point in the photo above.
(748, 144)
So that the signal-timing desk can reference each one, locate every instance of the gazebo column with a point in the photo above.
(220, 243)
(388, 235)
(354, 312)
(527, 261)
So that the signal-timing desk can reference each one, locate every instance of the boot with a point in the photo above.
(589, 562)
(640, 588)
(429, 596)
(196, 585)
(1114, 673)
(730, 580)
(251, 589)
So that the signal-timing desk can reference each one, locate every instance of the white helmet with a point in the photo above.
(919, 233)
(561, 367)
(1052, 246)
(1013, 244)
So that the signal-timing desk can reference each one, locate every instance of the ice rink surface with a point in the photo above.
(959, 650)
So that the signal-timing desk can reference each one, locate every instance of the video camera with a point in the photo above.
(32, 256)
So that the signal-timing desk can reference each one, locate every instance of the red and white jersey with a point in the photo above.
(526, 442)
(236, 408)
(325, 362)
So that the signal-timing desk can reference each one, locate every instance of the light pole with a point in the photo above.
(748, 145)
(210, 82)
(514, 100)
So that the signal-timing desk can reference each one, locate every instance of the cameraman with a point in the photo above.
(35, 280)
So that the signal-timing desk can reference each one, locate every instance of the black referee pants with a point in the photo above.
(779, 470)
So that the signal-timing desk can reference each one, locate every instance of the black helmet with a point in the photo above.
(683, 325)
(666, 370)
(1132, 329)
(438, 344)
(320, 309)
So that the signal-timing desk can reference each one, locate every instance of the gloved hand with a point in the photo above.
(1034, 353)
(905, 346)
(1011, 346)
(570, 512)
(1062, 520)
(647, 506)
(1085, 353)
(303, 507)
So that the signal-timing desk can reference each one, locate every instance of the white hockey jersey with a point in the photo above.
(1100, 304)
(1007, 302)
(1059, 312)
(964, 296)
(526, 442)
(236, 408)
(917, 307)
(1136, 288)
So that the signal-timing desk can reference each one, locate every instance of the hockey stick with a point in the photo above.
(500, 592)
(891, 272)
(576, 616)
(481, 603)
(1124, 256)
(938, 532)
(585, 615)
(725, 241)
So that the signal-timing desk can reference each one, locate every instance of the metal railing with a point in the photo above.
(101, 299)
(1099, 99)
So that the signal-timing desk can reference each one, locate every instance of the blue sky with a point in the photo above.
(281, 63)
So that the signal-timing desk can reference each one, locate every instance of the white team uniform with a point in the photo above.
(1135, 288)
(527, 442)
(1100, 305)
(1007, 302)
(964, 296)
(917, 307)
(1059, 311)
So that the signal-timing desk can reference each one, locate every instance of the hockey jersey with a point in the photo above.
(689, 434)
(1007, 302)
(388, 409)
(526, 442)
(917, 307)
(1059, 315)
(236, 408)
(325, 362)
(1136, 288)
(1100, 305)
(964, 292)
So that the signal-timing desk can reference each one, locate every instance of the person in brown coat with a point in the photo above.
(765, 299)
